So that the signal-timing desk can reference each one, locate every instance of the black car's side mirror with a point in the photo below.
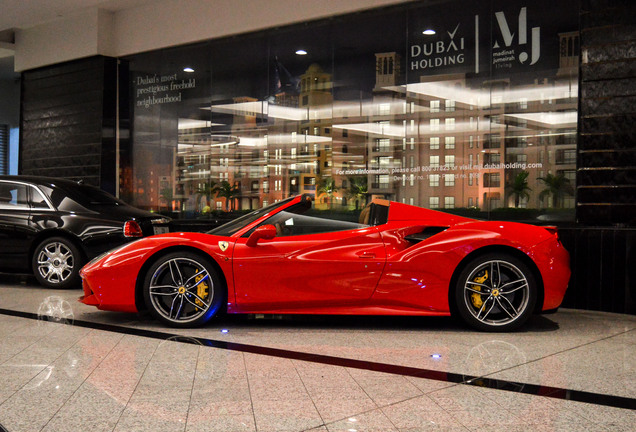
(266, 232)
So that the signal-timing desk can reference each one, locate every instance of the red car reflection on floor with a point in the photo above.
(286, 259)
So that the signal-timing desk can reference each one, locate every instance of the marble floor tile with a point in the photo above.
(91, 409)
(478, 417)
(462, 398)
(370, 421)
(336, 408)
(161, 410)
(384, 389)
(288, 415)
(225, 390)
(222, 423)
(420, 413)
(274, 389)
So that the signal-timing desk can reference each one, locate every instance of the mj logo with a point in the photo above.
(508, 37)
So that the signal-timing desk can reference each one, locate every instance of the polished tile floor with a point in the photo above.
(65, 366)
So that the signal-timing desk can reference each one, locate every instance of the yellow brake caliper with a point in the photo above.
(202, 290)
(474, 297)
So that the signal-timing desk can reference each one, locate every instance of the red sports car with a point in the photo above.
(396, 259)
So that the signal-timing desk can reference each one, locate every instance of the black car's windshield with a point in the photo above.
(233, 226)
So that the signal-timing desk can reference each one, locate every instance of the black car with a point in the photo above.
(52, 227)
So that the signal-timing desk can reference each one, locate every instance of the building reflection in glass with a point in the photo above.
(451, 141)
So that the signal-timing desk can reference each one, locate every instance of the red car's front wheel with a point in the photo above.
(496, 292)
(182, 289)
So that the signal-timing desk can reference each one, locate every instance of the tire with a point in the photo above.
(56, 263)
(183, 289)
(496, 292)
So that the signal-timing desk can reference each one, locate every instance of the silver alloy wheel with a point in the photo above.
(55, 262)
(181, 290)
(496, 293)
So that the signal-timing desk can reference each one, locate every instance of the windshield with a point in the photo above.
(233, 226)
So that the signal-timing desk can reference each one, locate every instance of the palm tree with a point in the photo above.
(519, 187)
(557, 186)
(328, 186)
(166, 195)
(358, 189)
(229, 192)
(211, 188)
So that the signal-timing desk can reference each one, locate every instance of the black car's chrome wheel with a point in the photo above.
(56, 263)
(183, 290)
(496, 292)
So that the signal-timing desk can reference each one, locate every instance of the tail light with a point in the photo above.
(132, 229)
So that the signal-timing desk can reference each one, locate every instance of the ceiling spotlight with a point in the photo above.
(429, 32)
(301, 52)
(188, 69)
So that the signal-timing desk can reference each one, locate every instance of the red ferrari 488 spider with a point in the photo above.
(396, 259)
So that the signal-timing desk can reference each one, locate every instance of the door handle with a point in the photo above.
(366, 255)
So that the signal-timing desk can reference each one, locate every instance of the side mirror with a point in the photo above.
(266, 232)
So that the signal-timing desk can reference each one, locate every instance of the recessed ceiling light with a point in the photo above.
(188, 69)
(301, 52)
(429, 32)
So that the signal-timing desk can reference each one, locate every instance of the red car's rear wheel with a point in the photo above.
(183, 289)
(496, 292)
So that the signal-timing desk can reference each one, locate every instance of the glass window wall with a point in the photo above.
(467, 107)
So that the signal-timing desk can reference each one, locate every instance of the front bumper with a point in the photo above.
(89, 298)
(108, 289)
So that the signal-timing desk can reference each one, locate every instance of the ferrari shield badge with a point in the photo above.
(223, 245)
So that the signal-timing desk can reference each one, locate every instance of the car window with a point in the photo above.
(60, 199)
(13, 196)
(37, 199)
(303, 219)
(90, 196)
(290, 224)
(73, 197)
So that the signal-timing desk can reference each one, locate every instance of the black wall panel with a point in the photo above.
(67, 121)
(603, 270)
(108, 174)
(4, 149)
(606, 173)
